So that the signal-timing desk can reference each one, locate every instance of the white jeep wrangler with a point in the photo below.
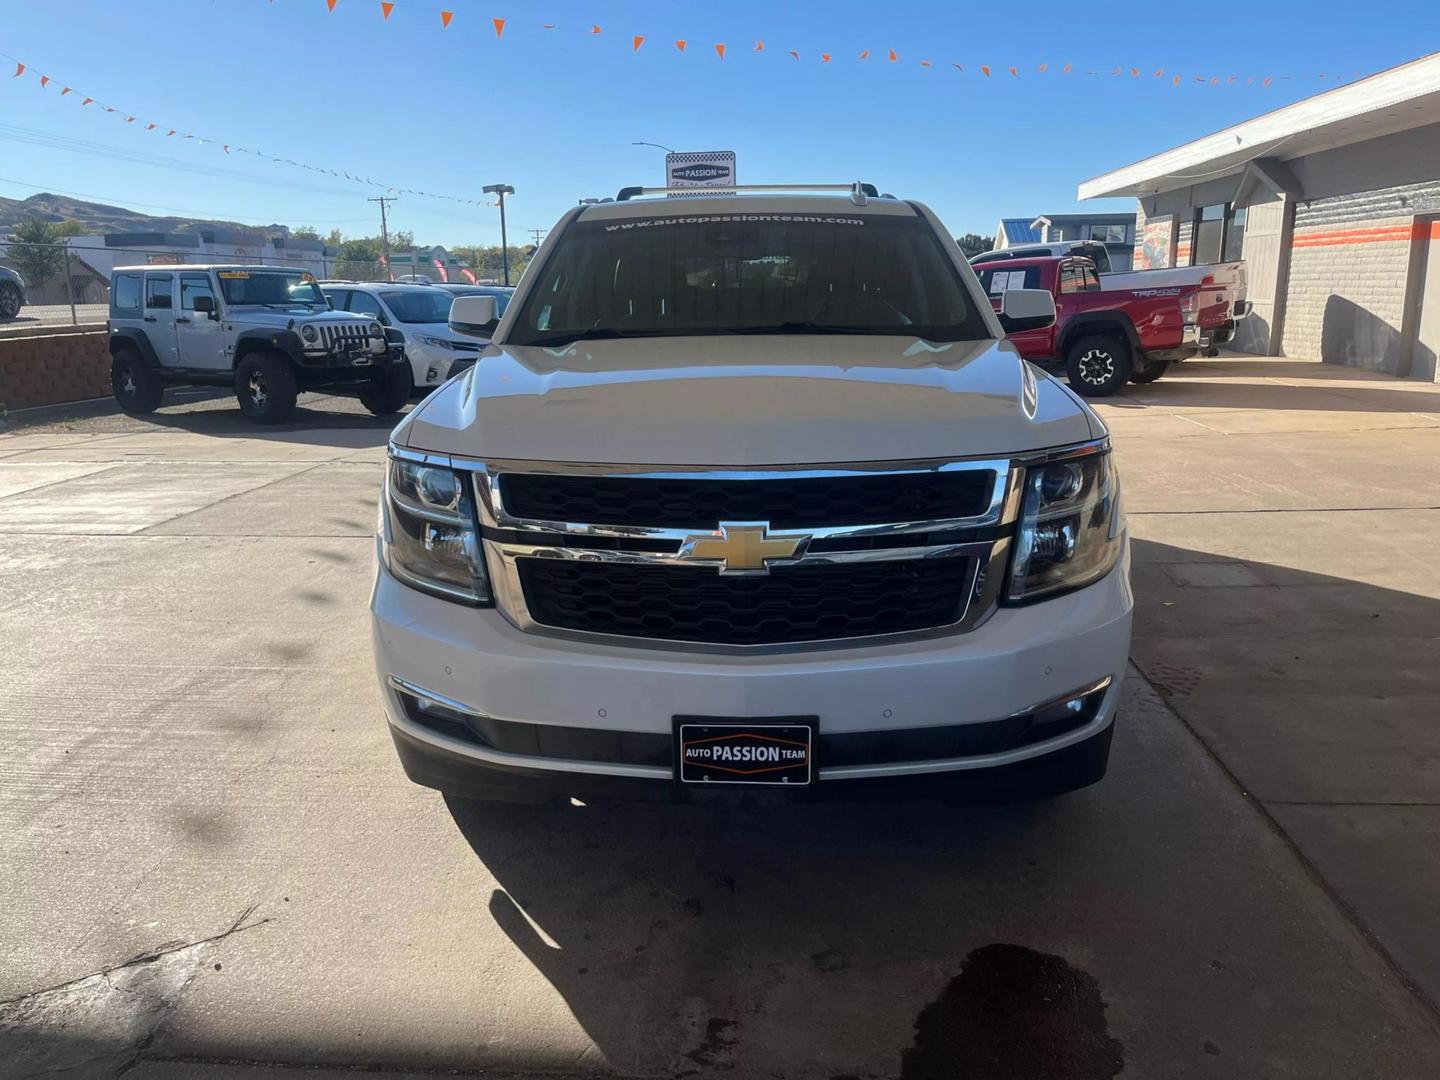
(750, 494)
(267, 331)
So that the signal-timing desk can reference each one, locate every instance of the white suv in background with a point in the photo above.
(417, 318)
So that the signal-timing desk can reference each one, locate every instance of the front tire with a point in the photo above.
(266, 388)
(137, 388)
(11, 300)
(389, 395)
(1098, 365)
(1149, 372)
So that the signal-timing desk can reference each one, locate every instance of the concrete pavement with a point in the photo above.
(196, 775)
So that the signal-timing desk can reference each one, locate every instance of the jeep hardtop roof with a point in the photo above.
(254, 269)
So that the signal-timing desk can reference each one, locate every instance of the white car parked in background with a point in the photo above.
(419, 315)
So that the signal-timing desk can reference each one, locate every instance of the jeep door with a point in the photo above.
(200, 337)
(160, 316)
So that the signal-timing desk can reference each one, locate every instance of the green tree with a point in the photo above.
(973, 244)
(305, 232)
(37, 249)
(358, 260)
(334, 238)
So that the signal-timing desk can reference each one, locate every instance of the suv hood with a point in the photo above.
(748, 401)
(258, 316)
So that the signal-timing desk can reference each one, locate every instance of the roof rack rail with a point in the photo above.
(859, 191)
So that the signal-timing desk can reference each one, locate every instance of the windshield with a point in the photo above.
(751, 273)
(273, 288)
(420, 306)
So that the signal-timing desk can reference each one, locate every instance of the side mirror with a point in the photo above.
(203, 305)
(1026, 309)
(474, 316)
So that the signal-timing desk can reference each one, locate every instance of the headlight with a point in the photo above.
(309, 333)
(376, 330)
(1071, 526)
(439, 343)
(430, 538)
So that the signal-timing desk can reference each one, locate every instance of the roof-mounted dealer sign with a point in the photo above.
(707, 169)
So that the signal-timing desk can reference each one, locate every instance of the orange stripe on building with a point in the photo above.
(1375, 234)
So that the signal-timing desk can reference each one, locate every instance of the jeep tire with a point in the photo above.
(138, 389)
(389, 394)
(11, 299)
(266, 388)
(1098, 365)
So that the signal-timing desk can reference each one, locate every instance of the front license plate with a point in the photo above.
(778, 751)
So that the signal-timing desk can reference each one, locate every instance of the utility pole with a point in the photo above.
(536, 235)
(384, 232)
(502, 190)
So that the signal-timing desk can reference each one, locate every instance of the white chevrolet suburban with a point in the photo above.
(750, 496)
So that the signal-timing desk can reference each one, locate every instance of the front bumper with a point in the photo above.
(432, 365)
(1019, 658)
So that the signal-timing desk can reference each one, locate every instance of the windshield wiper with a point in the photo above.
(595, 333)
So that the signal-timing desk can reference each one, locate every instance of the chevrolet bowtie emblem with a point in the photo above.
(743, 547)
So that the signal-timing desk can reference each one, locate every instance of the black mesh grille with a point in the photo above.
(814, 602)
(786, 503)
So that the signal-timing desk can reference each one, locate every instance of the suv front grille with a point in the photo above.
(335, 336)
(805, 602)
(798, 502)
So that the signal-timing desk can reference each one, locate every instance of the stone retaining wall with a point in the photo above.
(53, 367)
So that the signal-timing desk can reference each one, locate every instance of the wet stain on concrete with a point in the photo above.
(717, 1047)
(1014, 1014)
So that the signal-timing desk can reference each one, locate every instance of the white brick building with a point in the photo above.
(1333, 203)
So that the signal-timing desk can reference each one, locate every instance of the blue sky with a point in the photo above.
(554, 112)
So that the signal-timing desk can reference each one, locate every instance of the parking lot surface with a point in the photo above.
(214, 866)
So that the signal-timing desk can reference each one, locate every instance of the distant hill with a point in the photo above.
(99, 218)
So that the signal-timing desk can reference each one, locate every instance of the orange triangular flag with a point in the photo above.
(794, 55)
(544, 26)
(893, 57)
(445, 17)
(499, 26)
(1216, 81)
(865, 54)
(1041, 68)
(720, 51)
(680, 44)
(149, 127)
(1265, 81)
(386, 9)
(759, 46)
(1065, 70)
(924, 63)
(1175, 81)
(1231, 79)
(985, 70)
(227, 147)
(65, 91)
(594, 29)
(1159, 72)
(87, 101)
(958, 67)
(824, 58)
(1134, 72)
(1116, 71)
(1015, 73)
(44, 79)
(129, 119)
(169, 133)
(330, 4)
(636, 42)
(19, 69)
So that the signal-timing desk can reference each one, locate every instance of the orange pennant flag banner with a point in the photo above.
(445, 17)
(1175, 81)
(87, 101)
(958, 67)
(65, 91)
(149, 127)
(1159, 72)
(499, 26)
(386, 9)
(129, 119)
(1042, 68)
(794, 55)
(926, 63)
(985, 70)
(636, 43)
(1014, 73)
(720, 51)
(759, 46)
(595, 29)
(169, 133)
(1265, 81)
(1215, 81)
(44, 79)
(330, 4)
(893, 57)
(824, 58)
(1066, 69)
(19, 69)
(1134, 72)
(227, 147)
(865, 55)
(548, 26)
(680, 44)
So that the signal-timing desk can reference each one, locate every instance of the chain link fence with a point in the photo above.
(67, 284)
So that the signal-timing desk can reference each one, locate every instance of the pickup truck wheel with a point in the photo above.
(1098, 366)
(266, 388)
(10, 300)
(138, 390)
(1150, 371)
(389, 395)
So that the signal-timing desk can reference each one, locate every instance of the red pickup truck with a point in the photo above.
(1107, 338)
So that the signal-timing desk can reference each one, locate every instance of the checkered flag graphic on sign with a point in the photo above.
(681, 187)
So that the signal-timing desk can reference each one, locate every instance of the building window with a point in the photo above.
(1108, 234)
(1235, 235)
